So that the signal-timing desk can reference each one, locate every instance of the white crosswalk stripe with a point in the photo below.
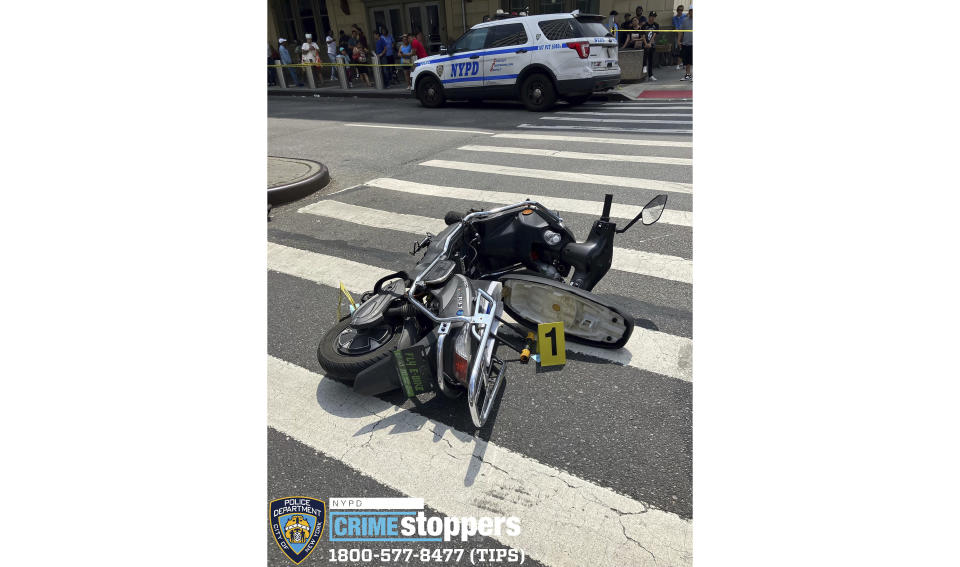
(575, 177)
(577, 155)
(617, 120)
(624, 259)
(377, 438)
(654, 114)
(618, 210)
(679, 103)
(607, 129)
(653, 351)
(596, 140)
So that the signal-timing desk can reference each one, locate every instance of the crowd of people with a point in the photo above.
(637, 31)
(354, 48)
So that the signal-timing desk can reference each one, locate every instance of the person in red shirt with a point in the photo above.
(417, 46)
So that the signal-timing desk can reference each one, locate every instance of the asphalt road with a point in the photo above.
(623, 430)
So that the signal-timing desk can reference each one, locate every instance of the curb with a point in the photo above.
(391, 93)
(386, 93)
(300, 188)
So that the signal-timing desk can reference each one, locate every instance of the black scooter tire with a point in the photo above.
(343, 367)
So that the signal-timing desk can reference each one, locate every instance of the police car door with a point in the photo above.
(506, 55)
(463, 69)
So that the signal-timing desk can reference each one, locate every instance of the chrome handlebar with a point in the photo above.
(418, 282)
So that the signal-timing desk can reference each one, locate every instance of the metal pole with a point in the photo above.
(310, 82)
(463, 12)
(377, 72)
(342, 72)
(282, 80)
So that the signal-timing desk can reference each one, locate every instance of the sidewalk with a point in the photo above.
(289, 179)
(667, 85)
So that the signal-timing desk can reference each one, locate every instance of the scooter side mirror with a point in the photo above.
(651, 211)
(443, 50)
(649, 214)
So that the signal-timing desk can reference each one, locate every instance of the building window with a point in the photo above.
(514, 5)
(588, 6)
(551, 6)
(296, 18)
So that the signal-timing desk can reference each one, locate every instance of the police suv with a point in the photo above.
(536, 59)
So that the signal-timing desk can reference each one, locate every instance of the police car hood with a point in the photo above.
(430, 59)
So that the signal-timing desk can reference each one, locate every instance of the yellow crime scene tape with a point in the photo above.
(345, 65)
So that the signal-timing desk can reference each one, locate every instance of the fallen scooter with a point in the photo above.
(438, 325)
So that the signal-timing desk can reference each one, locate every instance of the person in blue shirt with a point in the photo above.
(391, 53)
(287, 60)
(384, 51)
(678, 22)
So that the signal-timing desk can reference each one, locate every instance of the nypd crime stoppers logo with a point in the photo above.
(297, 524)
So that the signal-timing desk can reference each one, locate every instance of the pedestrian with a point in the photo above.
(353, 41)
(332, 55)
(640, 16)
(271, 72)
(360, 57)
(361, 39)
(678, 23)
(627, 19)
(392, 56)
(485, 19)
(416, 40)
(311, 54)
(380, 48)
(686, 46)
(342, 40)
(634, 39)
(612, 23)
(286, 59)
(347, 70)
(406, 55)
(650, 44)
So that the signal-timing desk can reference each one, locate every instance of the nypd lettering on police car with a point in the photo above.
(465, 69)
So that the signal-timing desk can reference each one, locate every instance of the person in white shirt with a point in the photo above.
(311, 54)
(332, 54)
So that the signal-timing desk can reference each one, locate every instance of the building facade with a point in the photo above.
(442, 21)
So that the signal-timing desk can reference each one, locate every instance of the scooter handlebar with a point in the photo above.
(607, 203)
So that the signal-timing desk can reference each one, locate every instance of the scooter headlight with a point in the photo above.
(536, 300)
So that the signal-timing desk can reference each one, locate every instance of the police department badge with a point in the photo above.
(297, 524)
(439, 70)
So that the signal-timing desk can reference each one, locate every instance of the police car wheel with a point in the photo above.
(579, 99)
(537, 92)
(430, 92)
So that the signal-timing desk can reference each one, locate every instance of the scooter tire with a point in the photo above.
(345, 367)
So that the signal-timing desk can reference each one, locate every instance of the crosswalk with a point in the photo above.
(604, 444)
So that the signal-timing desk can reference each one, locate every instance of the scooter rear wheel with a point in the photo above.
(339, 363)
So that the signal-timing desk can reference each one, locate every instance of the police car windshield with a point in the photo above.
(470, 41)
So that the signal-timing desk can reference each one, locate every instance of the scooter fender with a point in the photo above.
(384, 376)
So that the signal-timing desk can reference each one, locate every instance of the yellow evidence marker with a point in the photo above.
(551, 344)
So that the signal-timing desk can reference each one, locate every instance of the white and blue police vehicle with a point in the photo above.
(536, 59)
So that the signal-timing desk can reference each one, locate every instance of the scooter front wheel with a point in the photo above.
(344, 352)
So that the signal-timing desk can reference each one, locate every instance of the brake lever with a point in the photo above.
(418, 246)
